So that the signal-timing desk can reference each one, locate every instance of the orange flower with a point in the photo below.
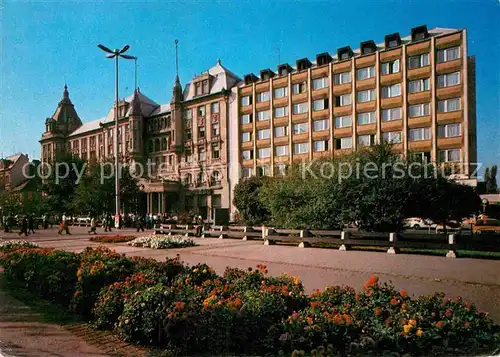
(406, 329)
(348, 319)
(314, 304)
(394, 301)
(466, 324)
(403, 293)
(412, 323)
(449, 312)
(309, 320)
(179, 305)
(439, 324)
(377, 311)
(372, 281)
(420, 332)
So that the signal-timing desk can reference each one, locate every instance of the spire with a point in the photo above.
(135, 104)
(177, 90)
(65, 98)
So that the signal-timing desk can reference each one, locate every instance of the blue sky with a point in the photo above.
(45, 44)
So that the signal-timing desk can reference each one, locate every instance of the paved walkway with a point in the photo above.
(476, 280)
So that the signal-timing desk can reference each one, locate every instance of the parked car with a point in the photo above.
(452, 227)
(489, 225)
(419, 223)
(83, 220)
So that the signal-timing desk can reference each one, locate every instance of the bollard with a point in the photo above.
(303, 234)
(451, 241)
(393, 237)
(267, 232)
(246, 230)
(264, 231)
(344, 236)
(222, 235)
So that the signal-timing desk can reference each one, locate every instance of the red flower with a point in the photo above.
(449, 312)
(394, 301)
(439, 324)
(403, 293)
(377, 311)
(372, 281)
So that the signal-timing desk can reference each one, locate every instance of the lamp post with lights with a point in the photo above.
(116, 54)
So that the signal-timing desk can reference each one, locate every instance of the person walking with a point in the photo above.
(64, 225)
(31, 224)
(24, 226)
(5, 222)
(93, 226)
(140, 223)
(45, 222)
(147, 220)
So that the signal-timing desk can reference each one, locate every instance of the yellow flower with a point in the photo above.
(406, 329)
(412, 323)
(195, 270)
(204, 271)
(419, 332)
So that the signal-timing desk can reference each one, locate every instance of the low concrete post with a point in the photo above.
(303, 234)
(246, 229)
(187, 230)
(451, 241)
(393, 237)
(267, 232)
(344, 236)
(222, 235)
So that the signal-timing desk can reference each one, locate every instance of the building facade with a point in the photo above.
(185, 142)
(417, 92)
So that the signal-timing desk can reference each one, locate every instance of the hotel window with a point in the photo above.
(188, 156)
(390, 67)
(246, 100)
(448, 54)
(365, 73)
(343, 122)
(202, 155)
(391, 114)
(201, 111)
(418, 61)
(214, 107)
(419, 85)
(215, 151)
(280, 112)
(422, 156)
(198, 88)
(281, 150)
(300, 148)
(449, 105)
(342, 78)
(298, 88)
(188, 133)
(391, 91)
(319, 125)
(205, 86)
(320, 145)
(343, 143)
(246, 118)
(188, 114)
(262, 97)
(280, 131)
(264, 153)
(343, 100)
(300, 108)
(264, 170)
(164, 144)
(246, 136)
(215, 129)
(449, 130)
(263, 115)
(452, 155)
(367, 118)
(246, 172)
(300, 128)
(201, 132)
(392, 137)
(366, 140)
(418, 110)
(418, 134)
(263, 134)
(320, 104)
(320, 83)
(280, 92)
(247, 154)
(450, 79)
(366, 95)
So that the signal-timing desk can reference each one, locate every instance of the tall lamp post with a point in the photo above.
(117, 54)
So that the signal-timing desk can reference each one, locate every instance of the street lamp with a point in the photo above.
(117, 54)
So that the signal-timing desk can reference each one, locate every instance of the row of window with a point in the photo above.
(391, 91)
(444, 131)
(201, 111)
(188, 132)
(202, 154)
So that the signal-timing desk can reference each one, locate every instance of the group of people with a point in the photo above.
(26, 224)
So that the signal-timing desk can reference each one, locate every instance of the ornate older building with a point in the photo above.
(185, 141)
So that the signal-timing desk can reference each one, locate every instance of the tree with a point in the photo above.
(490, 178)
(247, 201)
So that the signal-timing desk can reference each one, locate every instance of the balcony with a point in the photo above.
(418, 48)
(419, 73)
(299, 98)
(342, 67)
(339, 89)
(246, 109)
(319, 114)
(280, 102)
(319, 93)
(450, 143)
(449, 92)
(342, 132)
(366, 106)
(366, 84)
(341, 111)
(391, 55)
(392, 125)
(388, 79)
(366, 129)
(449, 67)
(419, 97)
(391, 102)
(418, 122)
(450, 117)
(420, 146)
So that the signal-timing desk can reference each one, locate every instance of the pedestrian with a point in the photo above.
(147, 221)
(93, 226)
(45, 222)
(199, 227)
(140, 223)
(31, 224)
(5, 222)
(24, 226)
(64, 225)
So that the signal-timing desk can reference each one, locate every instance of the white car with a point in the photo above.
(419, 223)
(83, 219)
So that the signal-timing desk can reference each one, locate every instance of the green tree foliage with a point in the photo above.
(490, 178)
(246, 199)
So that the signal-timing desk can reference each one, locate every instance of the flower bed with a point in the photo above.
(9, 245)
(158, 241)
(191, 310)
(112, 239)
